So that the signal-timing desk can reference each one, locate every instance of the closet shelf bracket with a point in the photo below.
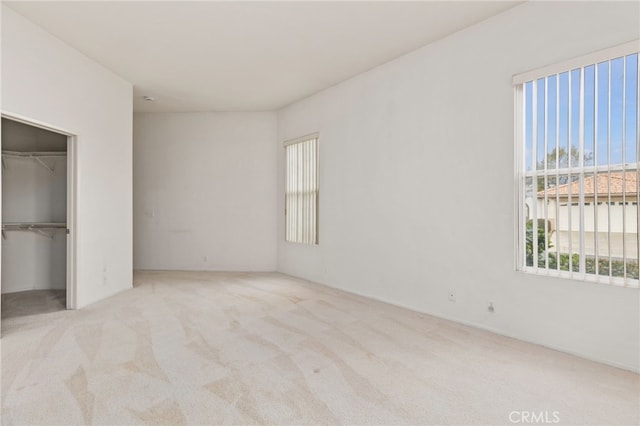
(45, 165)
(45, 229)
(34, 155)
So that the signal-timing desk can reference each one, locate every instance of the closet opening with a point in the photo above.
(36, 272)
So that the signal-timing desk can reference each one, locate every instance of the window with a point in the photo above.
(301, 194)
(577, 133)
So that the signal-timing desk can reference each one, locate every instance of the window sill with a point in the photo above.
(582, 277)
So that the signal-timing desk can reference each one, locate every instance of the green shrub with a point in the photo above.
(542, 244)
(617, 266)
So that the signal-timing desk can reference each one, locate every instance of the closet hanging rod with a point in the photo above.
(37, 227)
(32, 154)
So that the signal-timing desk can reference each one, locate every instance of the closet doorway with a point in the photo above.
(38, 205)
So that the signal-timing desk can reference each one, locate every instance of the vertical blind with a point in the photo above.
(301, 195)
(579, 182)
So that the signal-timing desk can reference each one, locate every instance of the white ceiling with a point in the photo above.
(246, 56)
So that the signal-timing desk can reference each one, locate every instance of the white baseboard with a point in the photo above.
(635, 369)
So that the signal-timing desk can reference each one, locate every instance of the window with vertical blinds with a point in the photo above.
(578, 137)
(301, 195)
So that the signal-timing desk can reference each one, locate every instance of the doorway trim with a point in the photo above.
(72, 202)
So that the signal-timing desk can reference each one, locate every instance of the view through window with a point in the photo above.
(579, 190)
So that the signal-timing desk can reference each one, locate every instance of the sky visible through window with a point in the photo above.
(609, 115)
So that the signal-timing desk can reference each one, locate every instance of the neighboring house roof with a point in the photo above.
(620, 182)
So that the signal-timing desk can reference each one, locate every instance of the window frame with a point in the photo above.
(286, 144)
(520, 207)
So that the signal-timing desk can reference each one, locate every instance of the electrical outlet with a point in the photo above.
(490, 307)
(452, 296)
(205, 259)
(104, 275)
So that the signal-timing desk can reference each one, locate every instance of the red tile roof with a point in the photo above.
(619, 183)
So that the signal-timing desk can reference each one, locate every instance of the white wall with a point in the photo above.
(205, 191)
(46, 80)
(31, 193)
(404, 145)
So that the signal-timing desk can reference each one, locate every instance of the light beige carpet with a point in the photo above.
(213, 348)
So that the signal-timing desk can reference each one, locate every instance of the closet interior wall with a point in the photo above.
(34, 193)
